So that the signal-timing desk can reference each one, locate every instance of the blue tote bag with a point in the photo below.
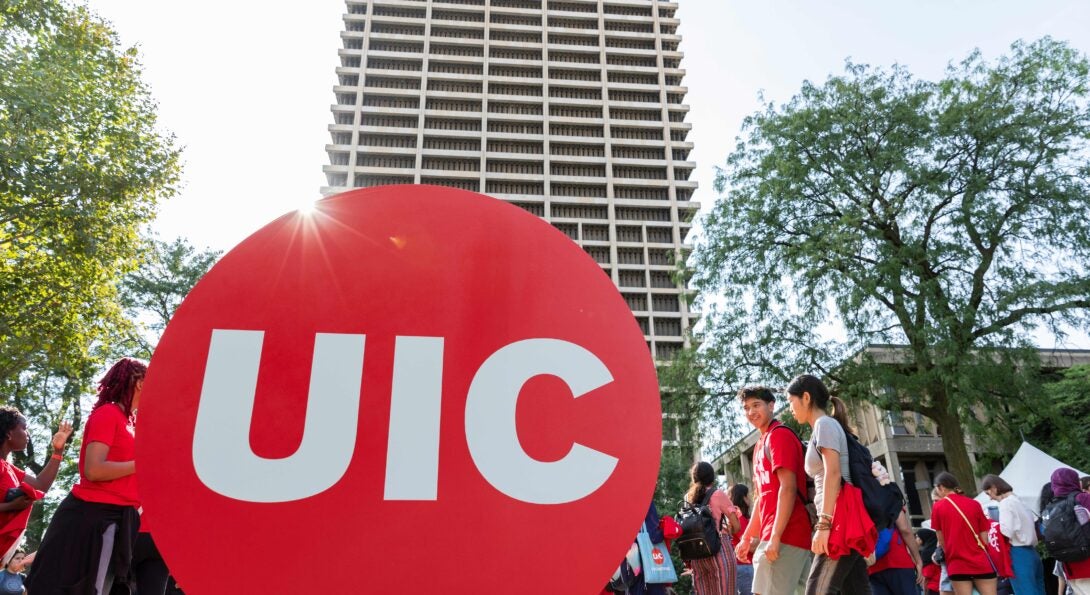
(658, 568)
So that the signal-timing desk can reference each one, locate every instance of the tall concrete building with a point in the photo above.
(572, 110)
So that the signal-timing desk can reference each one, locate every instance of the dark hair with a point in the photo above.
(994, 481)
(1085, 482)
(757, 392)
(10, 418)
(1046, 496)
(948, 481)
(819, 397)
(119, 383)
(737, 494)
(703, 477)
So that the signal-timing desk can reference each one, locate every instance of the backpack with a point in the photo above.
(626, 577)
(699, 535)
(1064, 538)
(623, 578)
(883, 502)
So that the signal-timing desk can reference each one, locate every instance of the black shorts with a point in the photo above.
(971, 577)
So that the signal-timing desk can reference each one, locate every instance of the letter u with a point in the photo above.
(222, 455)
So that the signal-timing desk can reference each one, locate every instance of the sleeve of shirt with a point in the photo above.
(721, 504)
(826, 435)
(102, 427)
(937, 517)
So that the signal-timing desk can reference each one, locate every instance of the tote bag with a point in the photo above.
(658, 568)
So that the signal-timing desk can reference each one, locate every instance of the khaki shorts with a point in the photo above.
(781, 577)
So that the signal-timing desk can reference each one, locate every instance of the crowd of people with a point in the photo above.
(786, 537)
(97, 540)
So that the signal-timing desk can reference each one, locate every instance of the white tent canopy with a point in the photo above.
(1029, 470)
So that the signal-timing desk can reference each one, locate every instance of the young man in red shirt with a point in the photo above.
(780, 522)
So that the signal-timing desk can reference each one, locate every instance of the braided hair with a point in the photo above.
(119, 384)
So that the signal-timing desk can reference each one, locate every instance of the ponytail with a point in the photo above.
(819, 397)
(948, 481)
(703, 477)
(839, 411)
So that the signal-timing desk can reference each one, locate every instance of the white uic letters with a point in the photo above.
(490, 422)
(222, 455)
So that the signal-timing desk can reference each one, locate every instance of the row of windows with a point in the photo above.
(555, 129)
(637, 302)
(359, 7)
(611, 60)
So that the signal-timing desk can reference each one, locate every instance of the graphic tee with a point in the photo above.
(109, 425)
(784, 452)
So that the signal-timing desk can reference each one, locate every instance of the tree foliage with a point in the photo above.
(82, 168)
(947, 217)
(148, 297)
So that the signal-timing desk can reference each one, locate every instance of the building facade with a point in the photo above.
(572, 110)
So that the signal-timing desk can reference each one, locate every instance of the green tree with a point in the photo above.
(1058, 425)
(152, 292)
(948, 218)
(149, 295)
(82, 168)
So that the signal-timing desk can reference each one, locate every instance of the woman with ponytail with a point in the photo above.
(715, 575)
(962, 529)
(827, 462)
(89, 543)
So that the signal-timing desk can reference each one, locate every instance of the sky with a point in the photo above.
(246, 86)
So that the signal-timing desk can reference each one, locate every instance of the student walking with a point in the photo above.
(1065, 484)
(900, 571)
(962, 529)
(827, 463)
(714, 575)
(739, 497)
(780, 522)
(1017, 523)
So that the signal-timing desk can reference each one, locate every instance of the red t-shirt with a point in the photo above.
(897, 557)
(10, 476)
(743, 522)
(932, 572)
(108, 425)
(785, 451)
(963, 553)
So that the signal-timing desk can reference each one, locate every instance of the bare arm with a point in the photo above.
(905, 529)
(97, 468)
(831, 488)
(785, 501)
(44, 480)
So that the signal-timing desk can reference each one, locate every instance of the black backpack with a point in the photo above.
(1064, 538)
(625, 579)
(883, 502)
(699, 533)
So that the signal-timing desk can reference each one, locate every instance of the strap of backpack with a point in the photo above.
(768, 455)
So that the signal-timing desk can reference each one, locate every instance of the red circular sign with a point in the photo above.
(412, 389)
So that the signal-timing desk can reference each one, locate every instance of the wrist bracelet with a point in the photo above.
(57, 457)
(822, 515)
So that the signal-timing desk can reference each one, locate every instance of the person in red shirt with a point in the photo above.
(932, 572)
(900, 571)
(88, 544)
(739, 497)
(780, 521)
(24, 487)
(962, 529)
